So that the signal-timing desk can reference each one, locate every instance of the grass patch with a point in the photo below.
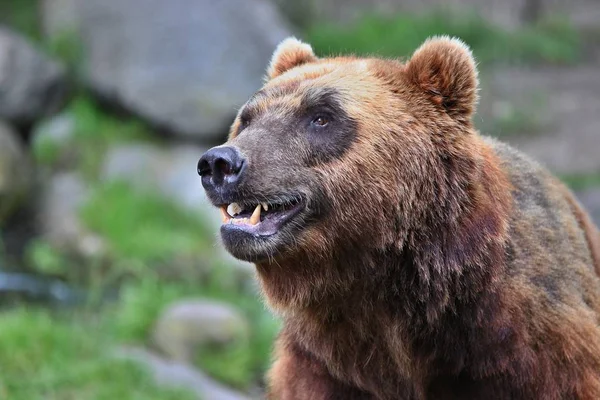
(144, 227)
(96, 130)
(580, 182)
(400, 35)
(45, 356)
(239, 364)
(66, 45)
(89, 135)
(21, 15)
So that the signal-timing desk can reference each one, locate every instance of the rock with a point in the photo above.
(31, 84)
(564, 104)
(59, 129)
(61, 198)
(590, 198)
(168, 169)
(184, 65)
(179, 375)
(187, 324)
(171, 171)
(15, 171)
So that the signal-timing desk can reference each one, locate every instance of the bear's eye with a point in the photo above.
(320, 121)
(244, 122)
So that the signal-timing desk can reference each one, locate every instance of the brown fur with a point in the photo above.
(431, 262)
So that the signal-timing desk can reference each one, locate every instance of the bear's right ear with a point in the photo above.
(289, 54)
(444, 69)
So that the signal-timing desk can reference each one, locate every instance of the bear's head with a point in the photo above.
(340, 157)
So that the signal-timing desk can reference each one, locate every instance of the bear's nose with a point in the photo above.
(220, 166)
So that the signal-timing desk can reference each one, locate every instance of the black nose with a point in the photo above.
(220, 166)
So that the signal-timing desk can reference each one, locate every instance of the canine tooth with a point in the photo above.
(225, 214)
(255, 218)
(234, 209)
(265, 206)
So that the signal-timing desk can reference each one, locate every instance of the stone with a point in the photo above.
(179, 375)
(562, 101)
(16, 172)
(62, 196)
(32, 85)
(59, 129)
(187, 324)
(590, 199)
(184, 65)
(168, 169)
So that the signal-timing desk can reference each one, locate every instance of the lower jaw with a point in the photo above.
(262, 229)
(255, 244)
(246, 246)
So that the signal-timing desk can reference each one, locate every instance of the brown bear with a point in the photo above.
(408, 256)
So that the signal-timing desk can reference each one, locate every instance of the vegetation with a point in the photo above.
(49, 356)
(582, 181)
(158, 253)
(398, 36)
(22, 15)
(93, 130)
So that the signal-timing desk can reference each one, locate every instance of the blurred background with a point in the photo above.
(112, 282)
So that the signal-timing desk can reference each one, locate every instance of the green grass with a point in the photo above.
(241, 363)
(145, 227)
(21, 15)
(401, 35)
(580, 182)
(94, 130)
(49, 357)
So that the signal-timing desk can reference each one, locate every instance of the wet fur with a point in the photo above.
(436, 264)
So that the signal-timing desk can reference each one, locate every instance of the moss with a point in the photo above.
(397, 36)
(46, 356)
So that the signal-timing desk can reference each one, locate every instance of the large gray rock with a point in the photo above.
(187, 324)
(15, 171)
(185, 65)
(31, 84)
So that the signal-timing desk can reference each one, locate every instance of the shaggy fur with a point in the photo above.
(430, 262)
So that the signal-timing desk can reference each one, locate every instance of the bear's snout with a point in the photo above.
(221, 169)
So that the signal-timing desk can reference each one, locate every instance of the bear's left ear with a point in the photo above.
(289, 54)
(445, 70)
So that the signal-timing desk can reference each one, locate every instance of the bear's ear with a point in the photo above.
(289, 54)
(445, 70)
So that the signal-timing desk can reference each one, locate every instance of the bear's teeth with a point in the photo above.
(265, 206)
(255, 218)
(234, 209)
(225, 215)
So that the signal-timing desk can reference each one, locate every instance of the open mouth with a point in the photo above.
(262, 219)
